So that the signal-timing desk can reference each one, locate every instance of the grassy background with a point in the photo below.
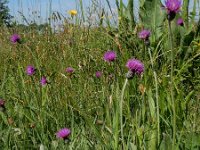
(91, 106)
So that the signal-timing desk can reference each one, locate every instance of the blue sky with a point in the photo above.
(42, 7)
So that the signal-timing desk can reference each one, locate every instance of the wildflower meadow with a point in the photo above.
(97, 77)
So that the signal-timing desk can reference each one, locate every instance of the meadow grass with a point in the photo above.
(156, 110)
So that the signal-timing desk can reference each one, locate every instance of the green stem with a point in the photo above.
(35, 58)
(121, 111)
(157, 97)
(172, 87)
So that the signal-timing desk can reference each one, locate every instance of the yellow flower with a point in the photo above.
(102, 17)
(73, 12)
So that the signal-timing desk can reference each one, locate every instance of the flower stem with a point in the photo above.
(35, 58)
(172, 87)
(121, 111)
(157, 97)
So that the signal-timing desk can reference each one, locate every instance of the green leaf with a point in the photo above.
(151, 104)
(186, 11)
(152, 17)
(3, 117)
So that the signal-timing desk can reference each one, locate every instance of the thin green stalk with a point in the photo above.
(186, 11)
(157, 97)
(172, 87)
(130, 8)
(121, 111)
(35, 58)
(82, 9)
(116, 123)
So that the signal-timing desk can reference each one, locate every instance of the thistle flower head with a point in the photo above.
(30, 70)
(110, 56)
(98, 74)
(63, 133)
(69, 70)
(43, 81)
(173, 5)
(15, 38)
(2, 103)
(180, 22)
(144, 34)
(135, 66)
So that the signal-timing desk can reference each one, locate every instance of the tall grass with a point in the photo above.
(150, 111)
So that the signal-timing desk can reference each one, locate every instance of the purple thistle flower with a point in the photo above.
(70, 70)
(173, 7)
(135, 66)
(15, 38)
(144, 34)
(43, 81)
(63, 133)
(30, 70)
(98, 74)
(180, 22)
(2, 105)
(110, 56)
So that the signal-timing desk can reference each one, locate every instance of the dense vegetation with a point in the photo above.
(5, 17)
(157, 109)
